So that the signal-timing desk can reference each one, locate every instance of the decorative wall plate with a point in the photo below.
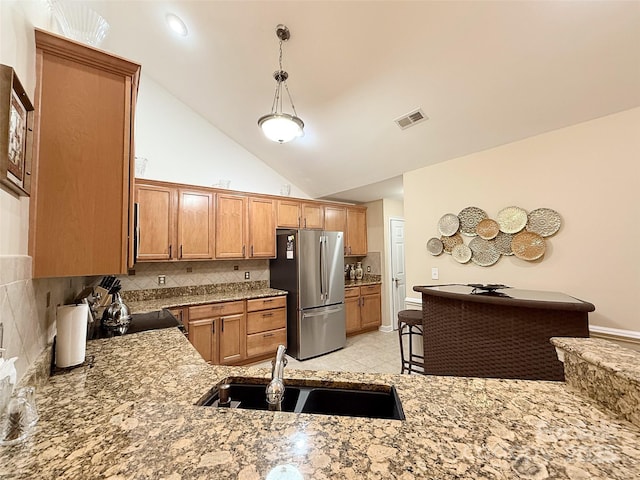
(470, 217)
(450, 242)
(544, 221)
(502, 242)
(461, 253)
(512, 219)
(448, 224)
(488, 229)
(528, 246)
(434, 246)
(483, 252)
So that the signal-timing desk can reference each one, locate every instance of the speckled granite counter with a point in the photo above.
(150, 305)
(360, 283)
(131, 416)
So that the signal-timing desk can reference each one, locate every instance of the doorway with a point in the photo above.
(398, 274)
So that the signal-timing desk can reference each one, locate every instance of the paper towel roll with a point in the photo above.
(71, 340)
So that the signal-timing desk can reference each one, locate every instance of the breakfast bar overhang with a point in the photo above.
(497, 333)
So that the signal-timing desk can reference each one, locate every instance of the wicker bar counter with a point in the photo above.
(504, 334)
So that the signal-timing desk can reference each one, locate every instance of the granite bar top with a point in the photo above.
(153, 304)
(131, 416)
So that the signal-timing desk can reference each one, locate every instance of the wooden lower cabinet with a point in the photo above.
(182, 315)
(217, 331)
(234, 333)
(266, 325)
(363, 308)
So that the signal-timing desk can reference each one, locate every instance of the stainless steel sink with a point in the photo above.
(305, 396)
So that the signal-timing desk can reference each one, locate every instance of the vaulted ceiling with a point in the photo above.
(485, 73)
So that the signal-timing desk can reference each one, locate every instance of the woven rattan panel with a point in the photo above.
(495, 341)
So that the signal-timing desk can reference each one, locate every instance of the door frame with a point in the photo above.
(391, 290)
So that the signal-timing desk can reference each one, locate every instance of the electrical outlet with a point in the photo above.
(247, 275)
(235, 267)
(162, 280)
(434, 273)
(189, 269)
(368, 268)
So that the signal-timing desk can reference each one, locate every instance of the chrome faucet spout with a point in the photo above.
(275, 389)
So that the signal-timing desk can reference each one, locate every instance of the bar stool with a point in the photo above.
(410, 324)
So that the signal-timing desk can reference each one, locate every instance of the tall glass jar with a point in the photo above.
(359, 271)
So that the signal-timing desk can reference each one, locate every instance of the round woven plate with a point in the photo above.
(544, 221)
(450, 242)
(487, 229)
(434, 246)
(448, 224)
(461, 253)
(502, 243)
(528, 246)
(512, 219)
(483, 252)
(470, 217)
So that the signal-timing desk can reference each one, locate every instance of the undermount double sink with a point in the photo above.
(307, 396)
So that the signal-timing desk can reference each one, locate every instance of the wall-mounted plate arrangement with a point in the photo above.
(512, 232)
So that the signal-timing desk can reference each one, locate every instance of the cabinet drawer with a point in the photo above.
(215, 310)
(369, 289)
(266, 320)
(267, 342)
(352, 292)
(266, 303)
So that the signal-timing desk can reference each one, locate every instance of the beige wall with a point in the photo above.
(26, 314)
(589, 173)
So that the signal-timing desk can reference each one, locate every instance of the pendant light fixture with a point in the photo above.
(279, 126)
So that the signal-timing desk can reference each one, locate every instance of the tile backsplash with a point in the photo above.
(28, 308)
(185, 274)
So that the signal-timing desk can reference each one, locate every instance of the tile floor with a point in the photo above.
(373, 352)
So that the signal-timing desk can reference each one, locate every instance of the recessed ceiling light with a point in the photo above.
(176, 24)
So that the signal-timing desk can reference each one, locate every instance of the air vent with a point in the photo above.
(411, 119)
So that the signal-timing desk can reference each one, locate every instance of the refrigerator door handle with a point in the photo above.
(321, 314)
(324, 294)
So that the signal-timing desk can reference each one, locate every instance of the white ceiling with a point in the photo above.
(485, 73)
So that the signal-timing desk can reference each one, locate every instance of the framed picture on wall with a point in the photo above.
(16, 133)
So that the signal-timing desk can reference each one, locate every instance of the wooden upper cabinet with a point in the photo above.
(195, 224)
(312, 216)
(356, 234)
(82, 189)
(262, 228)
(335, 218)
(231, 226)
(288, 213)
(155, 232)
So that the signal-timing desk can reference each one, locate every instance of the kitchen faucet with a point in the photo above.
(275, 389)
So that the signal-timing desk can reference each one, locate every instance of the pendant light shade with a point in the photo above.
(278, 126)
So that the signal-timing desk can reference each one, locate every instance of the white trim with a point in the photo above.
(617, 333)
(386, 328)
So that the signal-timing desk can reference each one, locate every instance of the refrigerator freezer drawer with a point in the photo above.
(321, 330)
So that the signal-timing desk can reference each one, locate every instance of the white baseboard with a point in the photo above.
(386, 328)
(596, 331)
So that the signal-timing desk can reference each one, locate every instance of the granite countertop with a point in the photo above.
(153, 304)
(132, 416)
(360, 283)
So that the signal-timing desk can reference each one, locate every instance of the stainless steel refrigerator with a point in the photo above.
(310, 266)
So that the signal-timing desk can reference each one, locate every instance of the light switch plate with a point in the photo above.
(434, 273)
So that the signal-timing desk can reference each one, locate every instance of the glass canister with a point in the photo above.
(359, 272)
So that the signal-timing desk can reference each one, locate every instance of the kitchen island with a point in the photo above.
(131, 416)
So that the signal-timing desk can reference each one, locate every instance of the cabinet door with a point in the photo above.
(288, 214)
(156, 222)
(82, 171)
(312, 216)
(352, 313)
(195, 225)
(202, 336)
(182, 316)
(232, 339)
(230, 226)
(335, 218)
(371, 310)
(356, 235)
(262, 228)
